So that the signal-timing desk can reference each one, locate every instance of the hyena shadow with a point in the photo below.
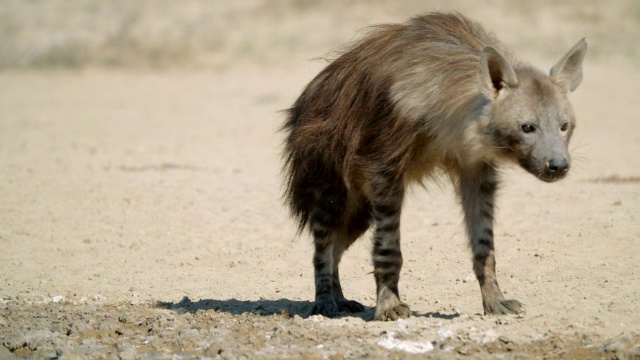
(258, 307)
(272, 307)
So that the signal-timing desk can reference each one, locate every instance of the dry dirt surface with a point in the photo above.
(141, 218)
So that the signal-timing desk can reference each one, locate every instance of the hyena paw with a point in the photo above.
(501, 307)
(350, 306)
(326, 308)
(400, 311)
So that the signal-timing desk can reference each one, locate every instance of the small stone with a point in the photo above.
(128, 353)
(490, 336)
(297, 319)
(444, 334)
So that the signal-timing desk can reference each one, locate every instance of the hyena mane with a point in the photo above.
(435, 92)
(376, 107)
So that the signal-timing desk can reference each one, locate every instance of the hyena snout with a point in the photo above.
(556, 166)
(552, 168)
(548, 168)
(549, 160)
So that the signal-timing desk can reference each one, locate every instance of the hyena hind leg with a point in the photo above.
(477, 191)
(330, 240)
(356, 225)
(343, 304)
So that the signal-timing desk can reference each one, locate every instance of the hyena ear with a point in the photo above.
(496, 74)
(568, 71)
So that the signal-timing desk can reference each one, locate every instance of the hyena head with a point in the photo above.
(530, 117)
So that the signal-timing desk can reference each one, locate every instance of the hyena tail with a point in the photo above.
(310, 177)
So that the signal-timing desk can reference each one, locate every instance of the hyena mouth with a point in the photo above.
(541, 172)
(551, 177)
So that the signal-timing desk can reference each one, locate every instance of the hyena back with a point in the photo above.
(437, 92)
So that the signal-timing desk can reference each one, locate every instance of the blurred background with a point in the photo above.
(140, 161)
(48, 34)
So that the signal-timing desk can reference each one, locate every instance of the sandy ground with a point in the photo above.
(141, 218)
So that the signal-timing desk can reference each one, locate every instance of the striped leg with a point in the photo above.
(387, 258)
(332, 235)
(324, 222)
(477, 191)
(342, 303)
(355, 226)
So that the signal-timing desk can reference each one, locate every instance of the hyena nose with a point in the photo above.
(557, 166)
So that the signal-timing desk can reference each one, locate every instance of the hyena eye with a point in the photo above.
(564, 127)
(527, 128)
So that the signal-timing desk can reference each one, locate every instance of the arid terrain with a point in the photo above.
(141, 212)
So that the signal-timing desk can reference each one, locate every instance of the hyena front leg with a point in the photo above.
(387, 258)
(477, 190)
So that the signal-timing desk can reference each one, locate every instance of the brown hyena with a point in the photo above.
(437, 92)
